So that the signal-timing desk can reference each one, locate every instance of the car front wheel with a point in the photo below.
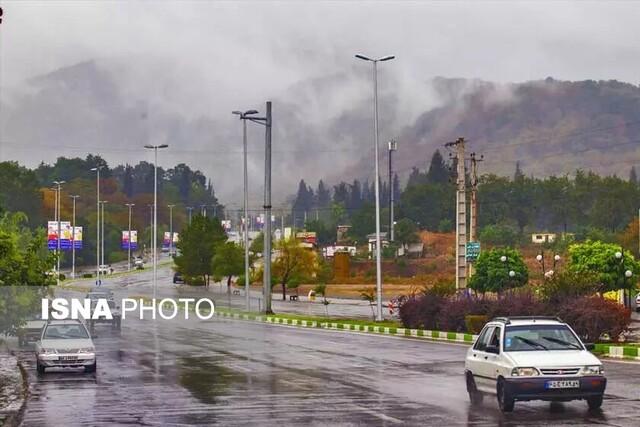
(91, 368)
(505, 401)
(39, 368)
(594, 402)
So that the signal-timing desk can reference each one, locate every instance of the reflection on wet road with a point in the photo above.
(222, 372)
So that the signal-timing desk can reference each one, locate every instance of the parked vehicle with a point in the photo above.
(65, 344)
(178, 278)
(638, 303)
(532, 358)
(105, 269)
(138, 263)
(30, 331)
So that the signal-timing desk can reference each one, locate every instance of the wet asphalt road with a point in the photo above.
(224, 372)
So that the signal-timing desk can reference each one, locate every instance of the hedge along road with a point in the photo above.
(229, 372)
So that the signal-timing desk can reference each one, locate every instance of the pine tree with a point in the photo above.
(633, 177)
(438, 171)
(127, 185)
(323, 196)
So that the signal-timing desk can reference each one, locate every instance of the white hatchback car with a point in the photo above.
(532, 358)
(65, 344)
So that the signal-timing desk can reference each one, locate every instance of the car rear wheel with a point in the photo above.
(505, 401)
(594, 402)
(474, 395)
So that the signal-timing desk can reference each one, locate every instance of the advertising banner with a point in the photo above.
(226, 224)
(175, 239)
(52, 235)
(166, 239)
(77, 237)
(126, 240)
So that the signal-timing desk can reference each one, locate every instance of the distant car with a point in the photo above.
(138, 262)
(105, 269)
(165, 250)
(638, 303)
(99, 292)
(65, 344)
(178, 278)
(115, 321)
(30, 331)
(532, 358)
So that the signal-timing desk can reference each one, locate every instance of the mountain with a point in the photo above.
(323, 125)
(548, 126)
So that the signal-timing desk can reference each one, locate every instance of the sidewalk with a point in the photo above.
(12, 393)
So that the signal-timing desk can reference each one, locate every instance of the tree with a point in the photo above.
(405, 231)
(599, 258)
(438, 172)
(495, 275)
(633, 177)
(323, 196)
(293, 264)
(24, 261)
(257, 244)
(198, 243)
(228, 261)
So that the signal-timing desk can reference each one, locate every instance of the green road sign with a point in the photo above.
(473, 251)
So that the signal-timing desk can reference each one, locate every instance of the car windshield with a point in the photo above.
(540, 338)
(61, 332)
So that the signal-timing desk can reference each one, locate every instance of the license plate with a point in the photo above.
(563, 384)
(68, 357)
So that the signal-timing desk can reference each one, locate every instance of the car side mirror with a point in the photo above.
(492, 349)
(590, 346)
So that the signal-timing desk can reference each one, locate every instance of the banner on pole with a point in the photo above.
(52, 235)
(77, 237)
(129, 240)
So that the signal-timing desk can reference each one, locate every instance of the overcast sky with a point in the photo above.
(207, 58)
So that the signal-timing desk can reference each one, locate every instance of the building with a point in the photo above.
(540, 238)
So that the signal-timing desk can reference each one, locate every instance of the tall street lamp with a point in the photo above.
(243, 117)
(97, 170)
(102, 203)
(150, 206)
(190, 212)
(377, 178)
(393, 146)
(155, 149)
(129, 205)
(73, 237)
(58, 185)
(626, 274)
(170, 228)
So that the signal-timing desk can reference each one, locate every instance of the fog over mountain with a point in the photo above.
(107, 77)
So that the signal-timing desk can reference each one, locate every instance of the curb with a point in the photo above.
(457, 337)
(618, 352)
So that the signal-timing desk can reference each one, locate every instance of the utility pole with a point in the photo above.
(170, 229)
(393, 146)
(73, 237)
(129, 205)
(267, 211)
(473, 208)
(155, 149)
(461, 215)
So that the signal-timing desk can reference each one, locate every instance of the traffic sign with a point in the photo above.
(473, 251)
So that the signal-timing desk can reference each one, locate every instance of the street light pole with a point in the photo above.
(58, 185)
(189, 211)
(245, 234)
(377, 180)
(97, 170)
(102, 202)
(170, 229)
(73, 238)
(129, 205)
(393, 146)
(155, 214)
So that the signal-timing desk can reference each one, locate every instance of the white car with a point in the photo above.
(532, 358)
(638, 303)
(65, 344)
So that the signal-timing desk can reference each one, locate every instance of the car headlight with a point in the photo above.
(524, 372)
(593, 370)
(48, 351)
(87, 350)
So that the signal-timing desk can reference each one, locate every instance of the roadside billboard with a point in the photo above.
(77, 237)
(52, 235)
(129, 240)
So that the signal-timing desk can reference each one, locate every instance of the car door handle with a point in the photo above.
(486, 357)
